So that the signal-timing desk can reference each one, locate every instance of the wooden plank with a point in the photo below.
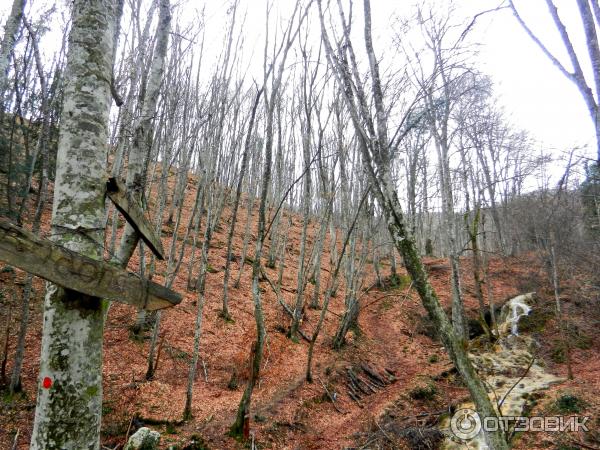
(132, 212)
(48, 260)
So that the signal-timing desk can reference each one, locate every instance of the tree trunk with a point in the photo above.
(187, 412)
(142, 139)
(236, 203)
(11, 28)
(69, 401)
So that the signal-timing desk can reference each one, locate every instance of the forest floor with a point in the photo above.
(394, 337)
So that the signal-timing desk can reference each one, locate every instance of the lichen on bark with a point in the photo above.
(68, 411)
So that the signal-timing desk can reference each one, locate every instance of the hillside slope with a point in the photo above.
(393, 340)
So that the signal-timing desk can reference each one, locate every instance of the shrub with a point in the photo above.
(569, 403)
(426, 391)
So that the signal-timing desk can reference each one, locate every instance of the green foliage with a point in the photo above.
(170, 428)
(106, 407)
(7, 269)
(568, 404)
(433, 358)
(396, 281)
(534, 322)
(423, 391)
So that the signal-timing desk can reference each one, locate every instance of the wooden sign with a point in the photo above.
(117, 192)
(48, 260)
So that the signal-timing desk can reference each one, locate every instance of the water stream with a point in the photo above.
(507, 371)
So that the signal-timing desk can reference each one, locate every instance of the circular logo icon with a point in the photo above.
(465, 424)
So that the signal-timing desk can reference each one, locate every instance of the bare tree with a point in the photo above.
(69, 400)
(590, 91)
(289, 36)
(142, 140)
(374, 143)
(49, 97)
(11, 29)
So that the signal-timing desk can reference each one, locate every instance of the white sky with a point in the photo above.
(536, 96)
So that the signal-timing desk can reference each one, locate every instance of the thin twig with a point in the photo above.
(513, 386)
(129, 429)
(16, 439)
(383, 431)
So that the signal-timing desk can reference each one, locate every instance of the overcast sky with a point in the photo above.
(536, 96)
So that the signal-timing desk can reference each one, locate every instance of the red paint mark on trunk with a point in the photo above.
(47, 383)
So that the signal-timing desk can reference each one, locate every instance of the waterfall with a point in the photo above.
(517, 309)
(512, 311)
(500, 368)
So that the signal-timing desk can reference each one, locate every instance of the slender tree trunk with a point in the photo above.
(319, 246)
(562, 323)
(242, 416)
(9, 40)
(238, 193)
(473, 232)
(328, 293)
(143, 134)
(487, 280)
(42, 141)
(15, 380)
(187, 412)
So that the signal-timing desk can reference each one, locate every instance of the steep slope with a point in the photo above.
(393, 340)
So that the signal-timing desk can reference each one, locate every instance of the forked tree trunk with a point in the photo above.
(69, 401)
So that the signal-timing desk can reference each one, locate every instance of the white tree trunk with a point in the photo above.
(11, 28)
(69, 400)
(142, 140)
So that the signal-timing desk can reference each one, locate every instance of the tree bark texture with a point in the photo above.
(69, 401)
